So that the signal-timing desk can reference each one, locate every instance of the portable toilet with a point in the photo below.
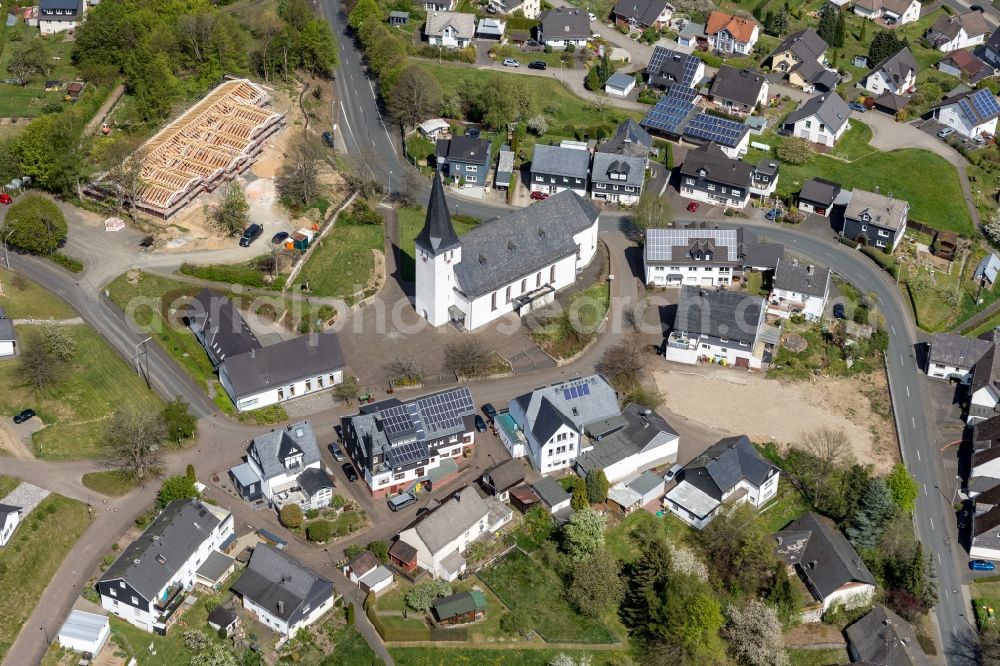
(299, 241)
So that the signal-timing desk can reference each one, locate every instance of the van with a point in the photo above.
(401, 501)
(250, 234)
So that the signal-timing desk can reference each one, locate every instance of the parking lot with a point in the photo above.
(954, 139)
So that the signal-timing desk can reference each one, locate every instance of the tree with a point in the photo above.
(874, 509)
(645, 580)
(902, 487)
(319, 531)
(35, 225)
(189, 473)
(58, 341)
(623, 364)
(216, 655)
(132, 439)
(782, 594)
(350, 614)
(415, 96)
(579, 501)
(178, 421)
(593, 80)
(379, 550)
(28, 61)
(175, 488)
(291, 516)
(688, 618)
(583, 535)
(839, 32)
(36, 366)
(755, 635)
(596, 584)
(830, 446)
(467, 356)
(684, 560)
(794, 150)
(537, 125)
(884, 44)
(124, 181)
(498, 102)
(422, 595)
(348, 389)
(827, 23)
(298, 178)
(515, 623)
(195, 640)
(651, 212)
(230, 216)
(363, 12)
(597, 486)
(317, 48)
(353, 550)
(740, 549)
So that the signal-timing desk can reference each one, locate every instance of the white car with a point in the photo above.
(946, 132)
(510, 62)
(593, 16)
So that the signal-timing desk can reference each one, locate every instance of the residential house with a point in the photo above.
(991, 53)
(216, 568)
(620, 84)
(398, 18)
(642, 14)
(366, 572)
(951, 32)
(831, 569)
(553, 497)
(439, 6)
(717, 326)
(460, 608)
(10, 518)
(529, 8)
(451, 30)
(617, 178)
(882, 637)
(727, 473)
(985, 463)
(875, 219)
(505, 168)
(986, 271)
(630, 140)
(558, 168)
(951, 356)
(764, 179)
(638, 491)
(799, 288)
(514, 263)
(667, 68)
(971, 114)
(150, 579)
(564, 26)
(624, 446)
(283, 467)
(8, 338)
(801, 59)
(554, 419)
(739, 90)
(85, 632)
(255, 376)
(281, 592)
(731, 34)
(966, 66)
(499, 479)
(434, 129)
(710, 176)
(56, 16)
(491, 28)
(818, 196)
(397, 446)
(985, 543)
(897, 74)
(704, 256)
(464, 159)
(984, 390)
(823, 119)
(889, 12)
(442, 535)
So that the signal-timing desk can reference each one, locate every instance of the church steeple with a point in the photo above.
(438, 234)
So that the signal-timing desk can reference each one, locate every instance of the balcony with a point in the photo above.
(679, 340)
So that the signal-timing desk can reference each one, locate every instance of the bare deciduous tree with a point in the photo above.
(124, 177)
(298, 179)
(467, 356)
(403, 368)
(231, 215)
(622, 364)
(37, 365)
(416, 96)
(196, 31)
(133, 440)
(829, 445)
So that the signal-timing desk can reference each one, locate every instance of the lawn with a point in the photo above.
(454, 656)
(620, 538)
(350, 649)
(75, 409)
(411, 221)
(817, 657)
(985, 595)
(29, 100)
(526, 586)
(110, 482)
(855, 143)
(488, 630)
(32, 557)
(343, 263)
(27, 299)
(586, 308)
(7, 484)
(788, 505)
(169, 649)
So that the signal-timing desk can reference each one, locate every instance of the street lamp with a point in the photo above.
(389, 191)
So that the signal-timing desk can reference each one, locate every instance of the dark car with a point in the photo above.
(480, 424)
(772, 214)
(328, 139)
(24, 415)
(279, 237)
(338, 455)
(537, 64)
(981, 565)
(349, 472)
(472, 131)
(250, 234)
(838, 310)
(976, 8)
(490, 411)
(860, 108)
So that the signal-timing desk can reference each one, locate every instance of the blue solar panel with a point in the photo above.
(712, 128)
(566, 395)
(983, 102)
(681, 93)
(585, 389)
(573, 392)
(668, 113)
(690, 66)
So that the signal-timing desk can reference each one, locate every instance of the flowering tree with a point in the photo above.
(754, 635)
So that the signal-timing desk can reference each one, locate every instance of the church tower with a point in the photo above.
(437, 251)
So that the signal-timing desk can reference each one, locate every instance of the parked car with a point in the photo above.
(592, 16)
(401, 501)
(510, 62)
(349, 472)
(6, 199)
(328, 139)
(946, 132)
(490, 411)
(250, 234)
(976, 8)
(693, 207)
(338, 455)
(672, 472)
(279, 237)
(537, 64)
(539, 196)
(772, 214)
(981, 565)
(480, 424)
(24, 415)
(860, 108)
(838, 310)
(472, 131)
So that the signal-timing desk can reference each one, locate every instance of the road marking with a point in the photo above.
(350, 131)
(918, 455)
(907, 391)
(925, 489)
(913, 422)
(939, 557)
(932, 527)
(901, 359)
(893, 329)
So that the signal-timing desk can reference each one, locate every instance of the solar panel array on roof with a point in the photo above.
(668, 113)
(661, 242)
(723, 131)
(407, 453)
(398, 420)
(445, 410)
(690, 67)
(984, 104)
(660, 55)
(577, 391)
(682, 93)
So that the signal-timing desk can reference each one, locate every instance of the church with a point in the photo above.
(515, 263)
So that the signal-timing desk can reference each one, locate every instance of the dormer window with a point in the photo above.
(293, 461)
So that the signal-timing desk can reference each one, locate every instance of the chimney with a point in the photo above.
(253, 353)
(810, 269)
(281, 606)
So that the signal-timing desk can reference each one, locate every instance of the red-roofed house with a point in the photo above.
(731, 34)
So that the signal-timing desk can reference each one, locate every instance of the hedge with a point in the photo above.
(849, 242)
(232, 274)
(67, 262)
(886, 261)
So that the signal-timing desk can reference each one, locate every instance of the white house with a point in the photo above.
(617, 178)
(951, 356)
(711, 175)
(8, 339)
(731, 34)
(281, 592)
(986, 535)
(958, 31)
(283, 467)
(897, 74)
(10, 518)
(823, 119)
(984, 390)
(443, 535)
(799, 289)
(563, 27)
(717, 326)
(971, 114)
(818, 196)
(729, 471)
(619, 84)
(365, 571)
(555, 419)
(704, 256)
(530, 8)
(892, 12)
(56, 16)
(150, 579)
(450, 29)
(622, 447)
(499, 479)
(439, 6)
(84, 632)
(514, 263)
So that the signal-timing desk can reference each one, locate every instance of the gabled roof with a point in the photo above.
(640, 430)
(455, 516)
(644, 12)
(448, 607)
(65, 5)
(285, 362)
(7, 509)
(882, 637)
(802, 278)
(560, 161)
(956, 350)
(667, 67)
(968, 63)
(946, 28)
(504, 476)
(6, 327)
(438, 233)
(363, 563)
(884, 211)
(607, 163)
(830, 109)
(576, 403)
(986, 433)
(281, 584)
(820, 191)
(979, 106)
(717, 167)
(226, 332)
(271, 448)
(896, 67)
(314, 480)
(739, 85)
(463, 148)
(897, 7)
(740, 27)
(565, 23)
(993, 41)
(463, 24)
(549, 491)
(987, 370)
(805, 45)
(630, 139)
(720, 314)
(725, 464)
(678, 245)
(826, 559)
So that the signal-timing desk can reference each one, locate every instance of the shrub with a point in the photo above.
(794, 150)
(353, 550)
(319, 530)
(233, 274)
(350, 614)
(35, 225)
(312, 514)
(338, 502)
(361, 214)
(67, 262)
(211, 604)
(291, 516)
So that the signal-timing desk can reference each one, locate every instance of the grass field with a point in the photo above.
(350, 649)
(620, 539)
(29, 100)
(32, 300)
(170, 649)
(817, 657)
(7, 484)
(75, 409)
(343, 263)
(588, 308)
(447, 656)
(110, 482)
(855, 143)
(32, 557)
(411, 221)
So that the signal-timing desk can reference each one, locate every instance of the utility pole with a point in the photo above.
(143, 359)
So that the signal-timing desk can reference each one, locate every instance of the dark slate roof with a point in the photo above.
(824, 556)
(805, 45)
(957, 350)
(403, 551)
(645, 12)
(738, 85)
(271, 448)
(522, 242)
(605, 164)
(438, 233)
(639, 432)
(882, 637)
(830, 109)
(6, 509)
(630, 139)
(222, 616)
(896, 66)
(717, 167)
(272, 576)
(285, 362)
(153, 559)
(226, 332)
(946, 27)
(720, 314)
(987, 370)
(565, 23)
(463, 148)
(984, 433)
(549, 491)
(988, 497)
(504, 476)
(668, 67)
(215, 565)
(314, 480)
(820, 191)
(459, 604)
(6, 327)
(802, 278)
(559, 161)
(71, 5)
(724, 464)
(985, 532)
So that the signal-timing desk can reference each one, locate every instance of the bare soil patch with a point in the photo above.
(12, 445)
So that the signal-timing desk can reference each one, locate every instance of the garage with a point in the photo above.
(8, 341)
(85, 632)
